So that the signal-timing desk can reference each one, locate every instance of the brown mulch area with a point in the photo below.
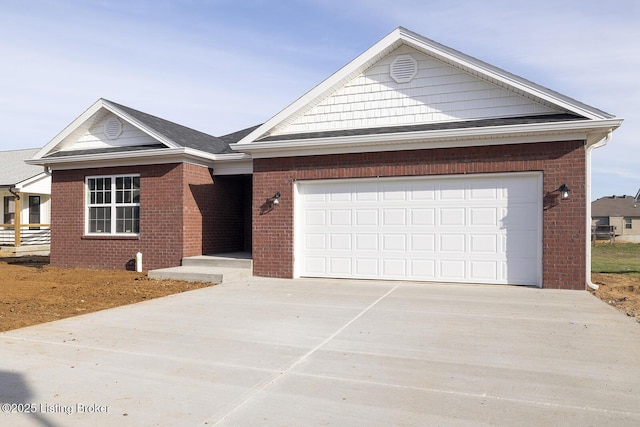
(33, 292)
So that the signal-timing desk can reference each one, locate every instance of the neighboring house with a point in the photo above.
(25, 199)
(620, 214)
(413, 162)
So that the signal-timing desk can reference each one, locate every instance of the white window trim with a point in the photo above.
(113, 205)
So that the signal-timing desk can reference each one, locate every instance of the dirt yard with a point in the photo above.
(33, 292)
(620, 291)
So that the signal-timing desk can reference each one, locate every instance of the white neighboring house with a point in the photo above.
(25, 204)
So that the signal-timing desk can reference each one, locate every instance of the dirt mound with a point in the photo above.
(620, 291)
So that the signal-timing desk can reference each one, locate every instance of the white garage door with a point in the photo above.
(474, 229)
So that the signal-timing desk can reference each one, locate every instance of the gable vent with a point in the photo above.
(403, 69)
(112, 128)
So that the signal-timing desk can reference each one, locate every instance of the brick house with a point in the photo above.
(412, 162)
(617, 218)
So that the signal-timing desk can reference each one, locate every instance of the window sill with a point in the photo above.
(110, 237)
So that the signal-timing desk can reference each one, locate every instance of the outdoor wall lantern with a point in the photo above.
(564, 192)
(276, 198)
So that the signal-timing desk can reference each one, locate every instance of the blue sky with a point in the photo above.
(223, 65)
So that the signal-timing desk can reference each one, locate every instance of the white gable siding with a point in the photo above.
(438, 93)
(95, 137)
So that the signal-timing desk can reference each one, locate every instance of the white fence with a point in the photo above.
(30, 234)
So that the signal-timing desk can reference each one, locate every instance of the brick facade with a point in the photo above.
(564, 223)
(184, 211)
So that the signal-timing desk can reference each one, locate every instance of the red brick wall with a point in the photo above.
(179, 204)
(564, 235)
(159, 241)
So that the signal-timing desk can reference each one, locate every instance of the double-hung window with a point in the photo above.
(113, 205)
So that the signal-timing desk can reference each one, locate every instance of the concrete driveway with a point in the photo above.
(327, 352)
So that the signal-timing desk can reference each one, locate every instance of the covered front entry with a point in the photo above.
(483, 228)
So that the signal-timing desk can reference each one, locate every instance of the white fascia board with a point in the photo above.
(32, 180)
(234, 167)
(446, 138)
(87, 114)
(388, 43)
(448, 55)
(453, 57)
(133, 158)
(137, 158)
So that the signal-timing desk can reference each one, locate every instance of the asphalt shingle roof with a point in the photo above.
(182, 135)
(13, 169)
(105, 150)
(620, 206)
(548, 118)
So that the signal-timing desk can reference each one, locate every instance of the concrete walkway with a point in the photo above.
(321, 352)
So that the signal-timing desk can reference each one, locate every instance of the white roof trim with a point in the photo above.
(33, 179)
(93, 109)
(453, 57)
(445, 138)
(142, 157)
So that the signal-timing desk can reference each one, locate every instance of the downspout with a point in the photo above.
(12, 191)
(604, 141)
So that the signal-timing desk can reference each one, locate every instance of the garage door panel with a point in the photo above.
(484, 271)
(394, 267)
(366, 242)
(520, 245)
(452, 217)
(394, 217)
(340, 266)
(452, 190)
(480, 228)
(393, 192)
(342, 196)
(341, 242)
(483, 217)
(483, 193)
(316, 197)
(340, 217)
(484, 244)
(519, 217)
(518, 189)
(422, 191)
(315, 241)
(423, 242)
(453, 269)
(367, 267)
(420, 217)
(371, 195)
(315, 265)
(316, 217)
(394, 242)
(519, 270)
(452, 243)
(423, 269)
(366, 217)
